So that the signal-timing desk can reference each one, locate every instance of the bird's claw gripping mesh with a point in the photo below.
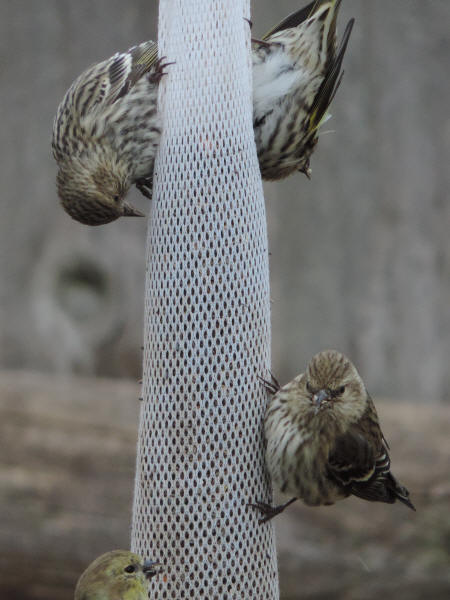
(207, 329)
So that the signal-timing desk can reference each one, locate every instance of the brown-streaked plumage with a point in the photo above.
(107, 128)
(296, 73)
(324, 440)
(116, 575)
(106, 133)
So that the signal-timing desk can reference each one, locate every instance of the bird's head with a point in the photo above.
(333, 383)
(94, 197)
(116, 574)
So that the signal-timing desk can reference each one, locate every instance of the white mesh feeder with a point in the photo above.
(200, 456)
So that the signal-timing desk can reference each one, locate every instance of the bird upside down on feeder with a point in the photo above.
(106, 133)
(107, 127)
(296, 73)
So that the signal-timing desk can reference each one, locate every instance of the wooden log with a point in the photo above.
(66, 480)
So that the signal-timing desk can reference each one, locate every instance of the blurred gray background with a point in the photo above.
(360, 255)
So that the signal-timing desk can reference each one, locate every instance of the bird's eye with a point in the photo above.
(116, 198)
(309, 388)
(130, 569)
(337, 392)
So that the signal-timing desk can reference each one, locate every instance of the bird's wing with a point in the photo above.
(369, 479)
(129, 67)
(330, 84)
(292, 20)
(352, 460)
(360, 462)
(299, 16)
(111, 79)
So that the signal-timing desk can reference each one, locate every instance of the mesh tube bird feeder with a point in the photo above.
(200, 456)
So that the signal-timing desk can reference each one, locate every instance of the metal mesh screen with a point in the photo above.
(207, 330)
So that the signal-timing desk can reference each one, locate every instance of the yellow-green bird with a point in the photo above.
(116, 575)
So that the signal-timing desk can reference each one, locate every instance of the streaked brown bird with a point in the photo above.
(296, 73)
(107, 129)
(105, 135)
(116, 575)
(324, 441)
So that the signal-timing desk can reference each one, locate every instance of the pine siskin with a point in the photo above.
(324, 440)
(296, 72)
(105, 135)
(116, 575)
(107, 129)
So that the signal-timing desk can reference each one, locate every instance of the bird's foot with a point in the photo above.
(272, 386)
(249, 22)
(270, 511)
(158, 73)
(145, 186)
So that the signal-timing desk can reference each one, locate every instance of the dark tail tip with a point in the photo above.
(407, 501)
(402, 494)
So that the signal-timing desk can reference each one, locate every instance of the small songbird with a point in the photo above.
(324, 440)
(106, 133)
(116, 575)
(107, 128)
(296, 73)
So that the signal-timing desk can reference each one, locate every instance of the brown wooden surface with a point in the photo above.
(66, 478)
(66, 483)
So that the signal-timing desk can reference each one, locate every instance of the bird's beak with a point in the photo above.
(130, 211)
(151, 568)
(319, 399)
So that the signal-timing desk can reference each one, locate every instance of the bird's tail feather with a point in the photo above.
(330, 85)
(292, 20)
(401, 493)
